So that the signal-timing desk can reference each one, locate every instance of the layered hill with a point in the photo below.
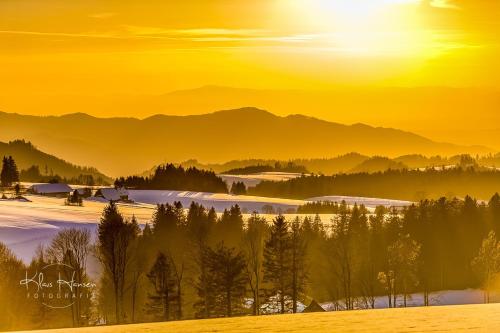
(27, 155)
(122, 146)
(464, 115)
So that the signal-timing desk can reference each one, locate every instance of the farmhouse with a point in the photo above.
(53, 190)
(112, 194)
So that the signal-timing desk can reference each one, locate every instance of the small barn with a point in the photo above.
(112, 194)
(52, 190)
(314, 307)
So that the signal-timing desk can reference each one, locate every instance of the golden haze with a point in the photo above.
(90, 56)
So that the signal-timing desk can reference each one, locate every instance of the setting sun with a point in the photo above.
(370, 28)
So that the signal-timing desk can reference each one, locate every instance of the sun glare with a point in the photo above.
(368, 27)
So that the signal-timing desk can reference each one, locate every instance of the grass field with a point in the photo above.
(464, 318)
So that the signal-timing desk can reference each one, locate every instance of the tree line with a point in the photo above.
(413, 185)
(171, 177)
(276, 167)
(319, 207)
(33, 175)
(349, 163)
(10, 175)
(194, 263)
(27, 156)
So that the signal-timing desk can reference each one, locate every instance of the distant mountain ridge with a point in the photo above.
(26, 155)
(348, 163)
(462, 115)
(124, 146)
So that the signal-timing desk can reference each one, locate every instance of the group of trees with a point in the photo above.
(238, 188)
(47, 166)
(197, 264)
(9, 174)
(33, 174)
(276, 167)
(74, 199)
(171, 177)
(413, 185)
(348, 163)
(194, 263)
(487, 264)
(71, 248)
(319, 207)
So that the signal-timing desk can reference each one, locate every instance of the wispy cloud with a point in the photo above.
(56, 34)
(216, 34)
(208, 35)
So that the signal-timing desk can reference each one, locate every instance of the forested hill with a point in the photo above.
(124, 146)
(27, 155)
(404, 184)
(348, 163)
(176, 178)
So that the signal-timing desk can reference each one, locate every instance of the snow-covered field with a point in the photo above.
(25, 225)
(444, 297)
(255, 178)
(219, 201)
(249, 203)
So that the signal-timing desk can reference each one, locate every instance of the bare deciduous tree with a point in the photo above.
(71, 247)
(253, 244)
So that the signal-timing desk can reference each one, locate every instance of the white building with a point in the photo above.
(56, 190)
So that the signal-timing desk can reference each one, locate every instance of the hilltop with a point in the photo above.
(122, 146)
(27, 155)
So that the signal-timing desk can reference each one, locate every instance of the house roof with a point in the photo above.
(112, 193)
(314, 307)
(50, 188)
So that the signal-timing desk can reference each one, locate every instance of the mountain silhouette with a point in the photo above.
(462, 115)
(122, 146)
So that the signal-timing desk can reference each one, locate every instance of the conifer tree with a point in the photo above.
(298, 265)
(238, 188)
(227, 270)
(277, 262)
(9, 173)
(163, 281)
(114, 244)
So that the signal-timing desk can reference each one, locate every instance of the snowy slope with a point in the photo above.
(25, 225)
(255, 178)
(219, 201)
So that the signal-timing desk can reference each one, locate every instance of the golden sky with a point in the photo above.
(96, 47)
